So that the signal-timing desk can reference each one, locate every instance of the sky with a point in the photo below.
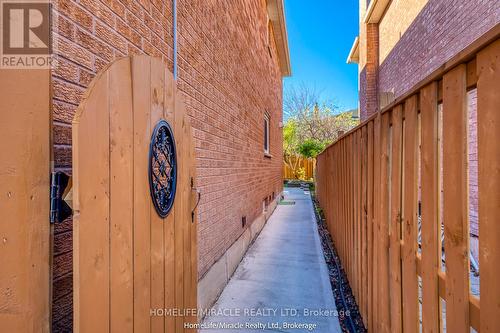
(320, 36)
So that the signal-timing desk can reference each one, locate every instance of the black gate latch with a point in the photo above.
(59, 209)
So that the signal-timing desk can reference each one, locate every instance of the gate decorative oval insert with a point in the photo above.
(162, 168)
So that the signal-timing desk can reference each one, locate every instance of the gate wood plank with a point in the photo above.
(488, 101)
(431, 309)
(190, 289)
(141, 79)
(183, 216)
(410, 217)
(395, 219)
(455, 199)
(158, 225)
(121, 195)
(188, 168)
(91, 204)
(173, 238)
(175, 118)
(24, 204)
(370, 227)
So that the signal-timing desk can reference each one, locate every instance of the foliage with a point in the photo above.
(290, 138)
(290, 146)
(311, 124)
(301, 173)
(310, 148)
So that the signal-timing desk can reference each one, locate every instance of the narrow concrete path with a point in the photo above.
(281, 280)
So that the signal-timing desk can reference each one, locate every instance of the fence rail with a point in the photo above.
(371, 181)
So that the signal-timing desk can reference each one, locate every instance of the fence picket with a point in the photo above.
(410, 218)
(430, 215)
(455, 199)
(383, 167)
(395, 216)
(488, 119)
(383, 228)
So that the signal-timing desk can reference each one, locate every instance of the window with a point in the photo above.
(266, 134)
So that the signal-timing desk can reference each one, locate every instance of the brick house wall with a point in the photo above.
(229, 73)
(440, 30)
(368, 79)
(415, 38)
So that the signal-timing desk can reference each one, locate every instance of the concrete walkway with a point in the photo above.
(282, 277)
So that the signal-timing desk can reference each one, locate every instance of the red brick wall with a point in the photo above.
(441, 30)
(229, 78)
(368, 80)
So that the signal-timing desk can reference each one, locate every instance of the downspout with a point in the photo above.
(174, 28)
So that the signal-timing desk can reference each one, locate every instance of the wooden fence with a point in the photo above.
(307, 164)
(369, 183)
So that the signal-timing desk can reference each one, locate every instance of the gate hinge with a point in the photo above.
(59, 208)
(198, 197)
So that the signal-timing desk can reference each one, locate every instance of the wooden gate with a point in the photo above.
(131, 267)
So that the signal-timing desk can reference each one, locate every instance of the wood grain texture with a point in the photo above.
(141, 79)
(410, 218)
(370, 227)
(375, 222)
(456, 199)
(158, 225)
(488, 119)
(91, 210)
(24, 205)
(395, 218)
(121, 157)
(407, 160)
(130, 263)
(383, 302)
(430, 202)
(364, 226)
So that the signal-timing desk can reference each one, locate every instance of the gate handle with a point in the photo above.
(197, 202)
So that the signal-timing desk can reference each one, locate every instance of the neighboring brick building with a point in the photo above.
(401, 42)
(231, 58)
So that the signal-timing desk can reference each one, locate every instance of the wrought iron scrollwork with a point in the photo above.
(162, 168)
